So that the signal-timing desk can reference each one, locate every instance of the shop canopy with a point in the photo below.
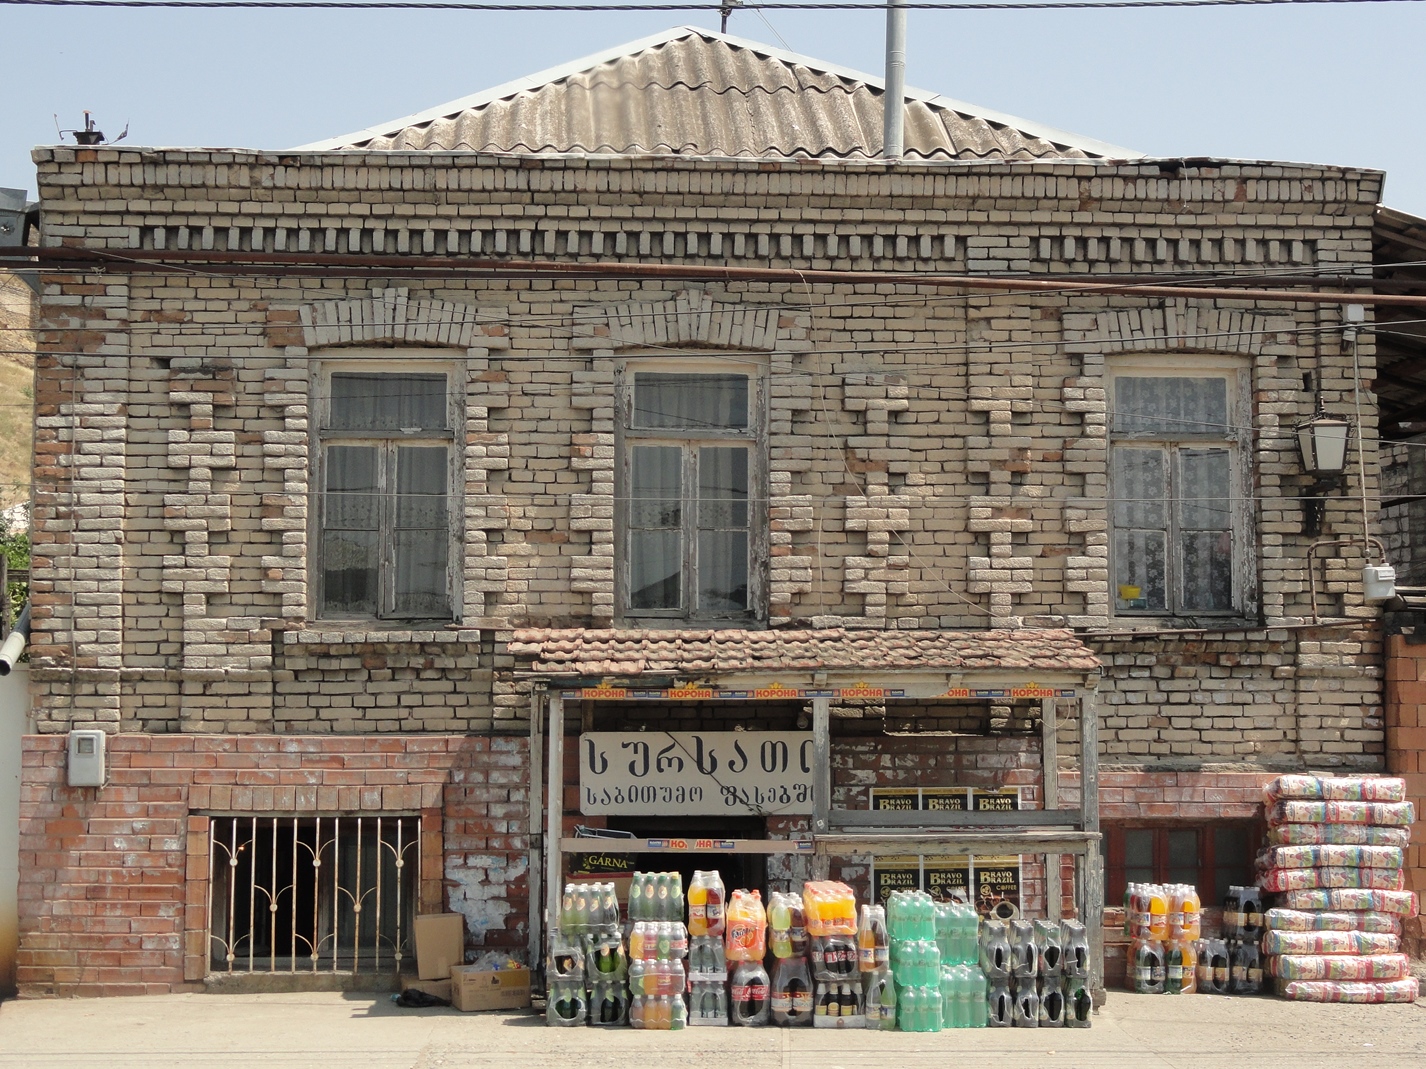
(738, 664)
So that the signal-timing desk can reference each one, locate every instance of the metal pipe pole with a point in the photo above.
(893, 141)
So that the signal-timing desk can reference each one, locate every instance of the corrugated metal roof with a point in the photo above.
(597, 653)
(695, 92)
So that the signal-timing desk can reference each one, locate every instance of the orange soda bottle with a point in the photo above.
(1158, 913)
(697, 906)
(1192, 914)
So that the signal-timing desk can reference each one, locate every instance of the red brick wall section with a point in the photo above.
(1183, 797)
(114, 882)
(1406, 757)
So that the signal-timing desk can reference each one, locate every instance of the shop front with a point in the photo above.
(903, 760)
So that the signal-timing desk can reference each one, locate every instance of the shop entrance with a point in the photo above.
(737, 870)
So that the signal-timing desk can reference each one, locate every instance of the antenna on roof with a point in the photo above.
(724, 10)
(90, 135)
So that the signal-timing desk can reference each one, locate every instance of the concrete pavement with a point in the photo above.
(345, 1031)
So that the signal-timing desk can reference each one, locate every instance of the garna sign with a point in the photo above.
(688, 773)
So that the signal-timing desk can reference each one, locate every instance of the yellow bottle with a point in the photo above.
(1190, 964)
(1192, 914)
(697, 906)
(1158, 913)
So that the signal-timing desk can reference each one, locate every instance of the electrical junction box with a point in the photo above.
(86, 758)
(1378, 582)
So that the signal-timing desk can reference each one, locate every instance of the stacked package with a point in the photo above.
(1335, 861)
(588, 968)
(658, 945)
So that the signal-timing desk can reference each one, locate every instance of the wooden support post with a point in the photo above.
(535, 929)
(821, 776)
(1093, 876)
(1049, 757)
(554, 813)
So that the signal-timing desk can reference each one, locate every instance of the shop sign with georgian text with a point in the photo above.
(695, 773)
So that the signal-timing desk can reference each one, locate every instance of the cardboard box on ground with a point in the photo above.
(473, 988)
(440, 944)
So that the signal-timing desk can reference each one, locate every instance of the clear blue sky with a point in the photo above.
(1339, 84)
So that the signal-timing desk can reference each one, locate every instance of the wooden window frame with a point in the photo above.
(1235, 438)
(1115, 875)
(386, 443)
(754, 437)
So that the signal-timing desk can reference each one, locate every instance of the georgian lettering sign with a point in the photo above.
(688, 773)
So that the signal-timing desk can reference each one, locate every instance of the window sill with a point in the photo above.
(1159, 625)
(359, 632)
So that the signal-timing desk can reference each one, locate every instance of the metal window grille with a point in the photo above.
(312, 894)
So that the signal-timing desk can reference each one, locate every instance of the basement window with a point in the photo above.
(312, 894)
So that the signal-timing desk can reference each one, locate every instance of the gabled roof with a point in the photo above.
(690, 91)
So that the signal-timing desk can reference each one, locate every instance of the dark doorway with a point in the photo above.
(737, 870)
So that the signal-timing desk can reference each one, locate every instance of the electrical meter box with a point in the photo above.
(86, 758)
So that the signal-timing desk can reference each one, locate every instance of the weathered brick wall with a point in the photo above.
(114, 882)
(1277, 699)
(935, 459)
(1406, 751)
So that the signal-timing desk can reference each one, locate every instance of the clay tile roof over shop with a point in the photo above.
(694, 92)
(598, 654)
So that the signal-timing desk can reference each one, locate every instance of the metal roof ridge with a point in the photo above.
(565, 70)
(510, 88)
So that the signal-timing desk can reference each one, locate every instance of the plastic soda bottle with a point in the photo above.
(1022, 947)
(697, 906)
(1052, 1003)
(1048, 947)
(1246, 969)
(779, 919)
(1251, 899)
(888, 1004)
(717, 899)
(798, 931)
(1189, 950)
(1079, 1004)
(1027, 1007)
(748, 990)
(978, 997)
(872, 948)
(1148, 958)
(1001, 1009)
(1173, 969)
(1175, 895)
(970, 935)
(1232, 914)
(995, 956)
(1192, 914)
(1158, 913)
(679, 1016)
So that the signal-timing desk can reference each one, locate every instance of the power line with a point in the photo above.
(767, 5)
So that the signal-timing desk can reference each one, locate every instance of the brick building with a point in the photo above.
(615, 391)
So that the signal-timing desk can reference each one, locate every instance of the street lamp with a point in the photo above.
(1323, 443)
(1322, 440)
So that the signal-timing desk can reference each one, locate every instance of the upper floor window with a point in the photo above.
(1177, 483)
(691, 467)
(384, 545)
